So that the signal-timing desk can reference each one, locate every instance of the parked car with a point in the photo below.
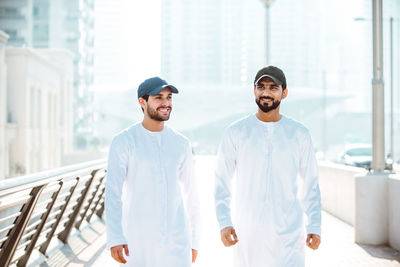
(360, 155)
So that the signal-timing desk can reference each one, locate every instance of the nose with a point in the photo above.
(266, 92)
(166, 102)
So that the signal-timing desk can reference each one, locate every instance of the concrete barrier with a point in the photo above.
(338, 189)
(394, 211)
(368, 201)
(371, 216)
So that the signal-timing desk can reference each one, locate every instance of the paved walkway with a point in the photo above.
(337, 247)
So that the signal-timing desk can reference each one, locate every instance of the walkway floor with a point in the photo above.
(337, 247)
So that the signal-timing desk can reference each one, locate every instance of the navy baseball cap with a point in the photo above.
(153, 86)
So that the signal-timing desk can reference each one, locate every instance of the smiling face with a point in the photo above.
(158, 107)
(268, 95)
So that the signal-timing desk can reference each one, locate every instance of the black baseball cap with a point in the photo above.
(275, 73)
(153, 86)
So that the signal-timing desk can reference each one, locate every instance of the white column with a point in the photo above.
(371, 216)
(378, 125)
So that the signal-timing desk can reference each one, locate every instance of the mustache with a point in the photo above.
(266, 97)
(164, 107)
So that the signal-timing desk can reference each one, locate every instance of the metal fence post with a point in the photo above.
(94, 174)
(24, 260)
(17, 231)
(100, 196)
(45, 245)
(63, 236)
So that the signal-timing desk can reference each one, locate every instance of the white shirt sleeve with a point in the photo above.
(310, 195)
(190, 195)
(226, 165)
(116, 174)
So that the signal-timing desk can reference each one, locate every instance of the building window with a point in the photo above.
(41, 11)
(35, 11)
(11, 33)
(8, 12)
(41, 32)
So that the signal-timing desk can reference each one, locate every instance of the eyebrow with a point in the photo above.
(170, 94)
(262, 85)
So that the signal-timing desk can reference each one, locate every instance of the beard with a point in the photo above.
(264, 107)
(153, 114)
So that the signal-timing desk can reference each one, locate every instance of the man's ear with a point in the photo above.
(142, 102)
(285, 93)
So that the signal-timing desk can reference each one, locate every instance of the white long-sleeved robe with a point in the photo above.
(151, 200)
(270, 200)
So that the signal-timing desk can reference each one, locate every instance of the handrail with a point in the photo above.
(76, 193)
(45, 176)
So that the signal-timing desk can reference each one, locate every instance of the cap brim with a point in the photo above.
(159, 89)
(278, 82)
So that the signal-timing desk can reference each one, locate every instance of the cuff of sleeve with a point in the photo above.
(314, 230)
(116, 242)
(196, 244)
(225, 223)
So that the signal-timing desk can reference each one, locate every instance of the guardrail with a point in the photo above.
(36, 208)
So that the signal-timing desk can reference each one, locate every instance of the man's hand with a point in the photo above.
(313, 241)
(116, 253)
(194, 255)
(228, 236)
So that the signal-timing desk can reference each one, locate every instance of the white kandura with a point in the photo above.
(157, 214)
(269, 200)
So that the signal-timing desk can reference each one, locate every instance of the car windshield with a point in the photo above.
(361, 151)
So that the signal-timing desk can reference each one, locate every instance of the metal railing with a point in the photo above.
(36, 208)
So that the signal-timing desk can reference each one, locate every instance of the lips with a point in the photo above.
(164, 110)
(266, 98)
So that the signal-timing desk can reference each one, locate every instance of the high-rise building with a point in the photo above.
(243, 41)
(191, 41)
(65, 24)
(16, 19)
(3, 105)
(320, 45)
(110, 65)
(212, 42)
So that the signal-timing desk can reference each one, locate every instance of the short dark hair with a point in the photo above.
(145, 97)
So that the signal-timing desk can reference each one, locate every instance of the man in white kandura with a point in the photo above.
(268, 151)
(151, 202)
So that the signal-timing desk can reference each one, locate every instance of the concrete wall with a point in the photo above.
(33, 85)
(371, 213)
(368, 201)
(394, 211)
(64, 60)
(39, 90)
(338, 189)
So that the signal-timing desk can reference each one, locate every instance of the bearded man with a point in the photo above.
(151, 201)
(268, 151)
